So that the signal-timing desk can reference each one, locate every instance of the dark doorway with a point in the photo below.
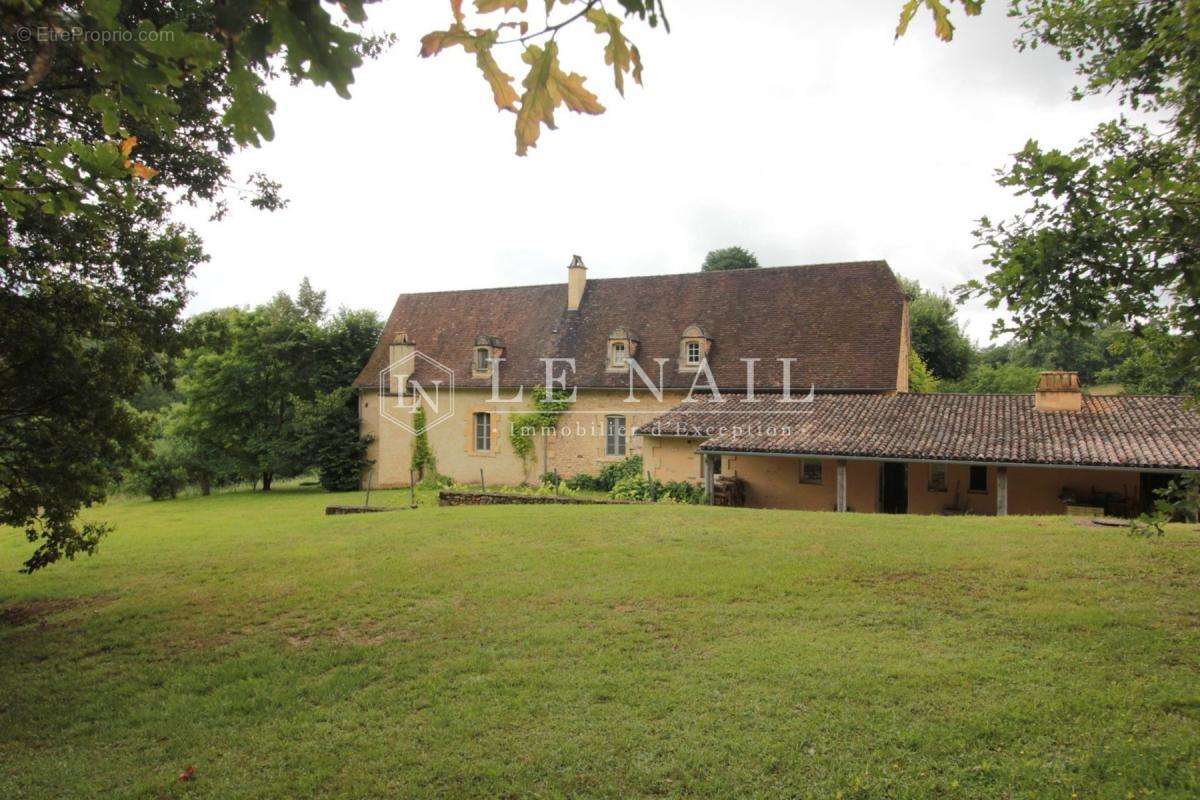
(893, 488)
(1151, 484)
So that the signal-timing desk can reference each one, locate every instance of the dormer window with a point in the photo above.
(487, 350)
(694, 346)
(622, 346)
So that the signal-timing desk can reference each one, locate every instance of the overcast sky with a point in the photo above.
(798, 130)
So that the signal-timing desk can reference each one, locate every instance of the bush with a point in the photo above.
(435, 480)
(609, 476)
(640, 487)
(683, 492)
(586, 483)
(160, 476)
(636, 487)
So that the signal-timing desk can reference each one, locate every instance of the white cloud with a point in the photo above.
(798, 130)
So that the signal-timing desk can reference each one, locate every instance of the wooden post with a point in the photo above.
(841, 485)
(708, 479)
(412, 489)
(1001, 491)
(482, 485)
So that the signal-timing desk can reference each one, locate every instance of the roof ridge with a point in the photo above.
(874, 262)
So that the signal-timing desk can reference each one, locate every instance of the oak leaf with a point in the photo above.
(480, 43)
(501, 82)
(943, 28)
(488, 6)
(547, 87)
(617, 51)
(437, 41)
(140, 170)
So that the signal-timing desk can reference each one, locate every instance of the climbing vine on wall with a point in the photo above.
(423, 459)
(548, 405)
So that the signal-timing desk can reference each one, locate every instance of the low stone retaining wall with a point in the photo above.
(329, 510)
(504, 498)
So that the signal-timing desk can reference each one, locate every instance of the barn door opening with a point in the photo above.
(893, 488)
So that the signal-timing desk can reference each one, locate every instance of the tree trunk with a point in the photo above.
(266, 481)
(205, 487)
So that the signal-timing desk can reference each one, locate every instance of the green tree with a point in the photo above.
(346, 341)
(920, 379)
(99, 139)
(243, 400)
(1154, 360)
(1109, 232)
(329, 427)
(1004, 378)
(728, 258)
(936, 333)
(86, 310)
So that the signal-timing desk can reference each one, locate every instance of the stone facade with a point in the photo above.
(577, 447)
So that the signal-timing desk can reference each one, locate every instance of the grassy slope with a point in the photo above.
(600, 652)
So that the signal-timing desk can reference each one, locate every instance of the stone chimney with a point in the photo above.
(1058, 391)
(576, 283)
(400, 349)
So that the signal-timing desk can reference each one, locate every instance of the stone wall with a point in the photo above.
(504, 498)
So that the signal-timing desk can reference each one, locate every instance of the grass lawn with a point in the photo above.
(598, 651)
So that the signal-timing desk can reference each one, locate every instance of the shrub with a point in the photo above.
(625, 468)
(636, 487)
(435, 480)
(159, 476)
(586, 483)
(683, 492)
(609, 476)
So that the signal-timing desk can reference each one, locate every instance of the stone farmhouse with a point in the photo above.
(793, 380)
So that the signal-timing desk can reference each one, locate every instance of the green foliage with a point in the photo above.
(423, 460)
(1001, 379)
(159, 476)
(87, 308)
(244, 399)
(610, 474)
(642, 487)
(635, 487)
(683, 492)
(920, 379)
(936, 333)
(1109, 232)
(1180, 500)
(1155, 360)
(548, 406)
(266, 389)
(329, 426)
(728, 258)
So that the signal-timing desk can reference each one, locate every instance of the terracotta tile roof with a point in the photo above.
(1127, 431)
(841, 322)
